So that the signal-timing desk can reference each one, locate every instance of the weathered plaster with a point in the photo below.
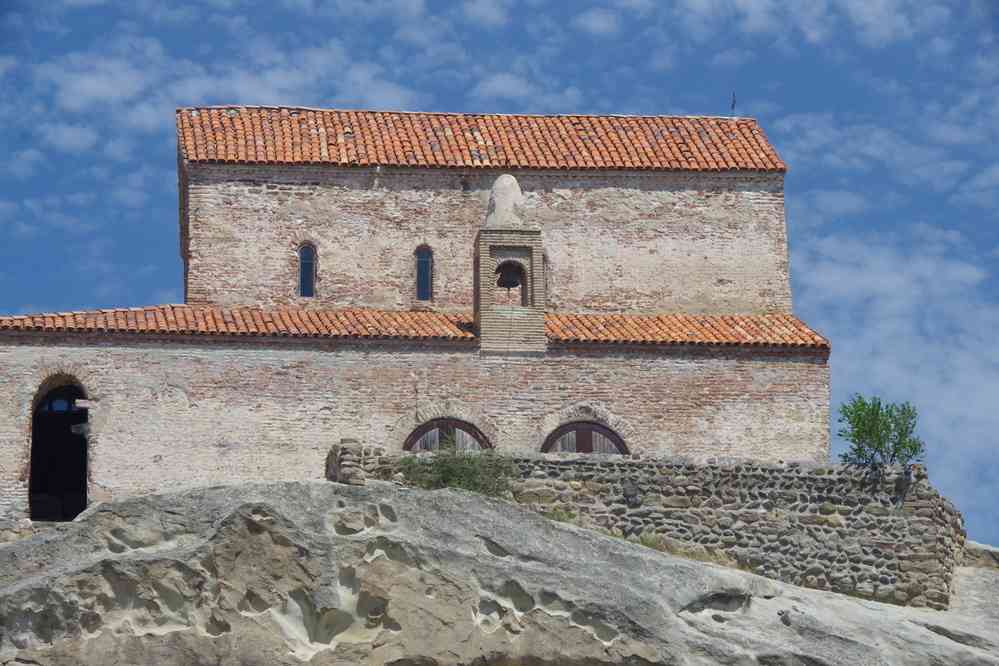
(613, 241)
(168, 413)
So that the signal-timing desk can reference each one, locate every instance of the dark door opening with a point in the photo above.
(58, 485)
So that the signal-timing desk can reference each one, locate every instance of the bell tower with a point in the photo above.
(509, 275)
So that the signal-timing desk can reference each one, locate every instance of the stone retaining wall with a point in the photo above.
(825, 527)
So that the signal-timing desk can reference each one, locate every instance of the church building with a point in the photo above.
(603, 285)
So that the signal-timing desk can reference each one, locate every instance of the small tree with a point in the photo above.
(880, 435)
(479, 471)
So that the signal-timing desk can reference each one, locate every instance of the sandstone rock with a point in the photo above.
(976, 592)
(981, 555)
(324, 573)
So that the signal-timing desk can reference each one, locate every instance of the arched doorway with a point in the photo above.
(58, 484)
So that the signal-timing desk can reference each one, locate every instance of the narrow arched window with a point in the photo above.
(584, 437)
(307, 271)
(424, 273)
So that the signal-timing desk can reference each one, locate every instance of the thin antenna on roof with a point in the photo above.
(733, 102)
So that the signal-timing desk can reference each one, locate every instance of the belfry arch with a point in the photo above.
(57, 489)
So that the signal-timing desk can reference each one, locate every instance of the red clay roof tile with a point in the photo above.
(781, 330)
(284, 135)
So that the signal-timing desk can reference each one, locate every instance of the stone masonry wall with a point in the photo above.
(166, 413)
(825, 527)
(614, 241)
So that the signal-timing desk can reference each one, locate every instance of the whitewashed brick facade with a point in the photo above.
(167, 413)
(614, 241)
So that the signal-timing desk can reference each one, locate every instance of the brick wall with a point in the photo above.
(169, 413)
(826, 527)
(614, 241)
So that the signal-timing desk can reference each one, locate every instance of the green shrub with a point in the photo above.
(880, 435)
(651, 540)
(479, 471)
(560, 515)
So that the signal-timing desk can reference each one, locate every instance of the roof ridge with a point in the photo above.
(281, 107)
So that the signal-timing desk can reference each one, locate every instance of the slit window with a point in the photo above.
(424, 273)
(307, 271)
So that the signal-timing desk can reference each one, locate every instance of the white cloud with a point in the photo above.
(489, 13)
(982, 189)
(704, 19)
(840, 202)
(662, 58)
(503, 86)
(398, 10)
(81, 198)
(545, 96)
(23, 163)
(876, 23)
(813, 141)
(813, 208)
(879, 22)
(164, 12)
(760, 107)
(567, 100)
(914, 322)
(641, 7)
(732, 58)
(167, 296)
(366, 84)
(940, 46)
(135, 188)
(68, 137)
(118, 149)
(811, 18)
(52, 211)
(82, 80)
(597, 21)
(427, 32)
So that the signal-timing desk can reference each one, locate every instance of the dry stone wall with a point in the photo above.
(613, 241)
(825, 527)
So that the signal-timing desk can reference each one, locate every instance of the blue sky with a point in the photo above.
(887, 112)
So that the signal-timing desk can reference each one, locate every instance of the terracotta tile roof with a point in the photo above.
(269, 135)
(207, 320)
(743, 330)
(781, 330)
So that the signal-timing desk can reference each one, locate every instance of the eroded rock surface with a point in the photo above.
(324, 573)
(976, 593)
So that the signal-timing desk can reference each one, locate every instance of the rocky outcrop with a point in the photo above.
(976, 593)
(981, 555)
(325, 573)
